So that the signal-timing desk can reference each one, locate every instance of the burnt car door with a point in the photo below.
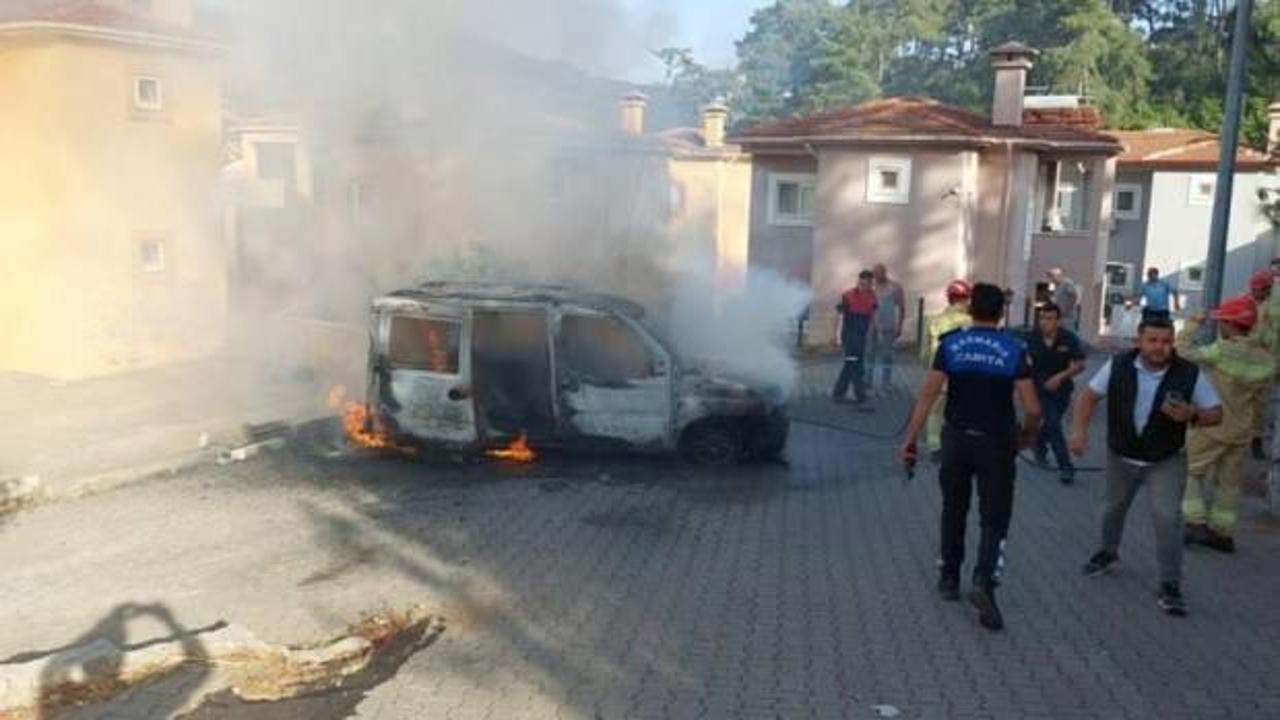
(421, 370)
(615, 380)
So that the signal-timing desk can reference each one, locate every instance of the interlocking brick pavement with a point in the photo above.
(613, 588)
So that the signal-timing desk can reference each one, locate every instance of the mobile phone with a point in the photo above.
(1174, 398)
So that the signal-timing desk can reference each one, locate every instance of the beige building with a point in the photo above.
(110, 133)
(935, 193)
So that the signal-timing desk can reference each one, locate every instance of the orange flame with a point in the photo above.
(518, 451)
(363, 428)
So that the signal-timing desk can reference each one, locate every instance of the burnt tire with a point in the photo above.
(713, 444)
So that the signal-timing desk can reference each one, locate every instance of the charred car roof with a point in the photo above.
(518, 293)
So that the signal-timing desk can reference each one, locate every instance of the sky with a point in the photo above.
(709, 27)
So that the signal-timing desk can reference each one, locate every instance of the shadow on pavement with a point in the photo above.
(100, 651)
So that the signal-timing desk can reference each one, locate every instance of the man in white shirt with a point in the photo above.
(1152, 396)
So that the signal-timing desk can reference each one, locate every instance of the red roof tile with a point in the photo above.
(90, 13)
(912, 118)
(1177, 149)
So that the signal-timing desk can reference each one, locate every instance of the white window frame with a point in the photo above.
(139, 103)
(1134, 213)
(802, 180)
(1185, 283)
(159, 265)
(1194, 196)
(877, 192)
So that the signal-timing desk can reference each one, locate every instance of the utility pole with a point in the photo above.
(1230, 138)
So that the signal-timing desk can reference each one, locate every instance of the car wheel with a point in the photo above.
(712, 443)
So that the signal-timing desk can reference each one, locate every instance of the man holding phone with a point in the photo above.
(1152, 397)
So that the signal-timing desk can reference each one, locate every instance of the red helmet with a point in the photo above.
(1261, 280)
(1239, 311)
(958, 290)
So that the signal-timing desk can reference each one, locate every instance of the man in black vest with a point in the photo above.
(1152, 396)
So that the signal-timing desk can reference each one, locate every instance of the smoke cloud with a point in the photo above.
(471, 141)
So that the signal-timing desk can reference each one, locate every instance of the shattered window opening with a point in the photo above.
(426, 344)
(604, 351)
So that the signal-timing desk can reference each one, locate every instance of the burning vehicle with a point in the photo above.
(487, 367)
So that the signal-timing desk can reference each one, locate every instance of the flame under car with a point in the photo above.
(476, 367)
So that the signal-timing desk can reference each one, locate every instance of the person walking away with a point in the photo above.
(890, 314)
(1242, 372)
(983, 368)
(1066, 295)
(1152, 396)
(1266, 334)
(953, 317)
(853, 323)
(1056, 359)
(1159, 299)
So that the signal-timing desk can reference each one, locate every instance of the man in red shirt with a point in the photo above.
(856, 309)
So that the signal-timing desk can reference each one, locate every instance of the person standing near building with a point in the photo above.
(891, 309)
(1056, 359)
(983, 368)
(853, 323)
(1066, 295)
(1159, 299)
(953, 317)
(1242, 372)
(1152, 397)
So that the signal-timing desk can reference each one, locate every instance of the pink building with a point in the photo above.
(935, 193)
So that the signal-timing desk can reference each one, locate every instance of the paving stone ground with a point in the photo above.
(611, 588)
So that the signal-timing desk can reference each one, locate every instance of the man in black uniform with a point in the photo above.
(1056, 358)
(982, 367)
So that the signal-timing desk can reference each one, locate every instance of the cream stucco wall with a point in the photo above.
(925, 243)
(85, 180)
(713, 216)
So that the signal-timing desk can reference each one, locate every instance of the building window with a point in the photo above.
(148, 94)
(1200, 189)
(793, 199)
(151, 256)
(889, 180)
(1128, 202)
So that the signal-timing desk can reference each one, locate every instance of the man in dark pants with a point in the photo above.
(856, 309)
(1152, 396)
(1056, 358)
(982, 367)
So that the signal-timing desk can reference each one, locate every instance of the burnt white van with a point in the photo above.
(473, 366)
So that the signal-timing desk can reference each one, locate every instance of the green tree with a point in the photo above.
(779, 56)
(694, 85)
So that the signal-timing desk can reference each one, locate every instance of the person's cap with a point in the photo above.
(866, 274)
(1239, 311)
(1261, 280)
(959, 289)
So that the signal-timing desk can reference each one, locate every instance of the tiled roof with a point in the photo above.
(1177, 149)
(90, 13)
(1085, 116)
(912, 118)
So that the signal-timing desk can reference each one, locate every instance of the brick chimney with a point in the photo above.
(631, 113)
(1273, 129)
(713, 122)
(1012, 61)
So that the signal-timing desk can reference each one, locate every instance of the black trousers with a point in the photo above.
(851, 372)
(990, 459)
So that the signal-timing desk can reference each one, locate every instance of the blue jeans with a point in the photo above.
(1054, 406)
(880, 353)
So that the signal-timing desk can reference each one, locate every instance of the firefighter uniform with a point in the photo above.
(954, 317)
(1242, 372)
(1266, 333)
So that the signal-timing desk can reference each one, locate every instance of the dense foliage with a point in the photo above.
(1145, 63)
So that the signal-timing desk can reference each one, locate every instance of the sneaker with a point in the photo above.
(983, 597)
(1221, 542)
(949, 587)
(1256, 449)
(1100, 563)
(1042, 456)
(1170, 599)
(1195, 534)
(1067, 477)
